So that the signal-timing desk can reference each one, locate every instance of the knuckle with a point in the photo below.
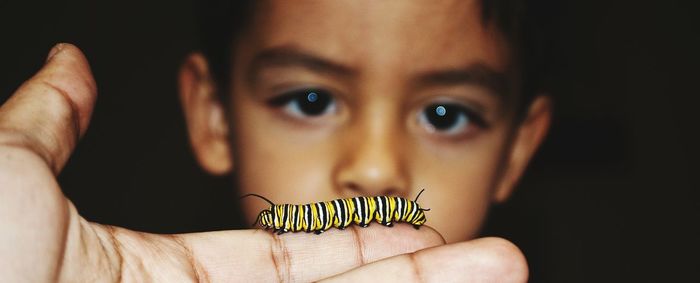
(62, 108)
(360, 244)
(279, 255)
(17, 145)
(417, 268)
(43, 122)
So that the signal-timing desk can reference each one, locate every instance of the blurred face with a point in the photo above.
(336, 99)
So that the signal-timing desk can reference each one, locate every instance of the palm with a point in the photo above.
(44, 239)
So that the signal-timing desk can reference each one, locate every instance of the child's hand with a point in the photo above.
(44, 239)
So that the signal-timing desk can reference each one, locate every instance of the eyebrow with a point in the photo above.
(475, 74)
(289, 56)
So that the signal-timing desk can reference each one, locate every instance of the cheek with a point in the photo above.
(458, 203)
(459, 188)
(277, 164)
(458, 220)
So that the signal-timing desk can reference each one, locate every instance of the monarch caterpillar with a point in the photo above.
(340, 213)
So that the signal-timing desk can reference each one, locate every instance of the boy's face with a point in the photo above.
(335, 99)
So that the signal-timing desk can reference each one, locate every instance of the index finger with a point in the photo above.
(480, 260)
(263, 256)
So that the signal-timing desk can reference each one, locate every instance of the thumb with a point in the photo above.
(51, 111)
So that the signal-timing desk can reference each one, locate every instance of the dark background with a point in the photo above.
(611, 196)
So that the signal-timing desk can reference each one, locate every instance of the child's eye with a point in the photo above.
(449, 118)
(305, 103)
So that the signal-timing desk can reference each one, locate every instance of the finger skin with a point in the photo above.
(481, 260)
(32, 218)
(112, 254)
(50, 111)
(39, 126)
(262, 256)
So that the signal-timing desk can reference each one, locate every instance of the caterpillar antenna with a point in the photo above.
(421, 191)
(257, 195)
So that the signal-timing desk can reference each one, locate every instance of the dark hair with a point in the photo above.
(526, 25)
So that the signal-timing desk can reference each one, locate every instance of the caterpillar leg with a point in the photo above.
(318, 232)
(364, 225)
(389, 224)
(416, 226)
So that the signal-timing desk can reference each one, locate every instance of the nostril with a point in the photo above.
(352, 187)
(391, 192)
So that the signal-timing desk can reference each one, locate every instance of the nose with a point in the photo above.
(372, 164)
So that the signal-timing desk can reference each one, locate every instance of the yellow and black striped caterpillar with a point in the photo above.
(340, 213)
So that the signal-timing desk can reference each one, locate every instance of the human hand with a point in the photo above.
(44, 239)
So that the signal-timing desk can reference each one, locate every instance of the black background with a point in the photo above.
(610, 197)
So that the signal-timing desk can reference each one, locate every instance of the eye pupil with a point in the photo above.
(442, 116)
(312, 96)
(440, 110)
(305, 102)
(315, 103)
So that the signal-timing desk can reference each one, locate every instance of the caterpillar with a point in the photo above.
(340, 213)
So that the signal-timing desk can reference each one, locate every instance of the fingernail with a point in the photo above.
(55, 50)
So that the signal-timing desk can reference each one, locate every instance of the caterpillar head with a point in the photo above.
(420, 217)
(265, 217)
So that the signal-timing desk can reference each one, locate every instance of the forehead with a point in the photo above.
(376, 35)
